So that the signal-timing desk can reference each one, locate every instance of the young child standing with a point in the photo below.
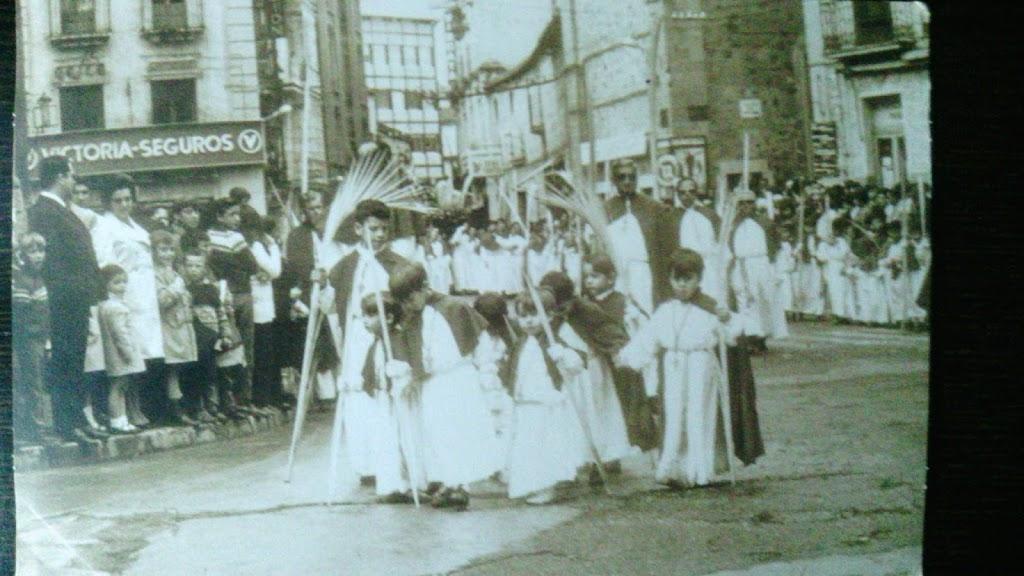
(207, 323)
(30, 325)
(633, 388)
(121, 353)
(685, 330)
(397, 454)
(441, 334)
(175, 319)
(491, 359)
(548, 444)
(585, 328)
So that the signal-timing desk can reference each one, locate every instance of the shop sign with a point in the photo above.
(152, 148)
(750, 108)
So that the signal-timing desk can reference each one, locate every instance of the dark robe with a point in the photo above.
(746, 428)
(629, 384)
(661, 236)
(296, 269)
(398, 351)
(342, 276)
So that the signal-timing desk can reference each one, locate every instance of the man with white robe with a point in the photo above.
(753, 276)
(643, 238)
(362, 272)
(832, 253)
(698, 230)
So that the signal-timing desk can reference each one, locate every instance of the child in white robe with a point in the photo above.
(585, 328)
(812, 298)
(785, 267)
(440, 334)
(547, 438)
(397, 456)
(686, 329)
(491, 357)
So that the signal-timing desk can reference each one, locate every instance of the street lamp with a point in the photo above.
(284, 109)
(43, 119)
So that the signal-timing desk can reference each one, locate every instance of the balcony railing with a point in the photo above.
(172, 22)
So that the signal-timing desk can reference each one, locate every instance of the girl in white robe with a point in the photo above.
(596, 395)
(686, 331)
(547, 438)
(459, 442)
(397, 453)
(490, 358)
(812, 297)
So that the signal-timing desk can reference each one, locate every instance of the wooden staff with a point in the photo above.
(723, 352)
(546, 323)
(920, 205)
(313, 324)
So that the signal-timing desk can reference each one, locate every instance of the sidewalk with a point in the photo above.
(39, 457)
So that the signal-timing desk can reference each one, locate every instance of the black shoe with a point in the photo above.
(95, 433)
(396, 498)
(459, 499)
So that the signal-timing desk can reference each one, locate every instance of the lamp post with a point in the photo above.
(43, 120)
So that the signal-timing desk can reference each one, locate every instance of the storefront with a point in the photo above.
(170, 162)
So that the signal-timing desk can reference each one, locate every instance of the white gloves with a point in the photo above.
(567, 361)
(400, 374)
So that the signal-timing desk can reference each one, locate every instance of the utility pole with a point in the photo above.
(21, 115)
(657, 21)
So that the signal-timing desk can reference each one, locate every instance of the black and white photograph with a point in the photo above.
(471, 287)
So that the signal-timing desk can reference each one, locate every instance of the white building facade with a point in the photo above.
(870, 90)
(165, 90)
(404, 61)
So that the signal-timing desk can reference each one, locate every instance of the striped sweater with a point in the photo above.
(231, 259)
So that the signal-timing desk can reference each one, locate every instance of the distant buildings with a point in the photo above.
(403, 59)
(175, 92)
(166, 91)
(673, 85)
(330, 35)
(870, 89)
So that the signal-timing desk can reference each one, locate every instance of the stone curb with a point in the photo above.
(121, 447)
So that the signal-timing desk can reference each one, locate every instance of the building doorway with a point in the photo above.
(888, 148)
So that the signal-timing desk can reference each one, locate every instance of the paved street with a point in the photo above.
(840, 491)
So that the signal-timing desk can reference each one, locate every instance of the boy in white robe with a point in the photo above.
(440, 334)
(360, 273)
(584, 327)
(686, 329)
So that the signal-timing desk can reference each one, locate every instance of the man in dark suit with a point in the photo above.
(73, 282)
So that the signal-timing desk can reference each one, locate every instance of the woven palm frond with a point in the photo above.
(583, 203)
(371, 178)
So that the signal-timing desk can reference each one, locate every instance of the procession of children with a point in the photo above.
(552, 371)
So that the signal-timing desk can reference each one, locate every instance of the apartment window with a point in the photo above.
(77, 17)
(169, 15)
(382, 99)
(663, 117)
(413, 100)
(174, 101)
(81, 108)
(368, 53)
(873, 22)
